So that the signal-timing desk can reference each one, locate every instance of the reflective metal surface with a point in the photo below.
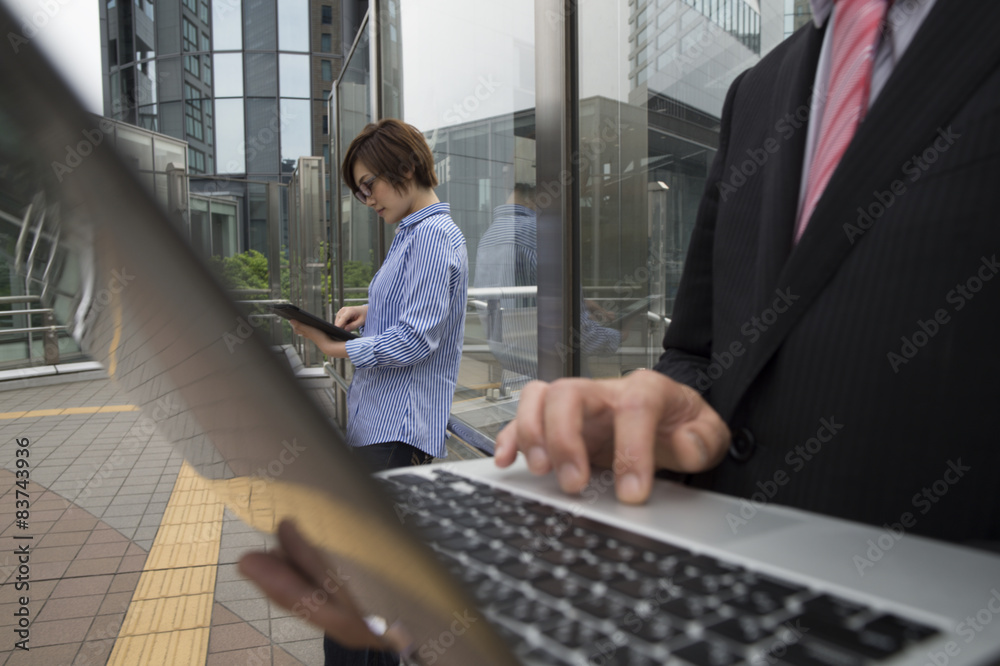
(97, 250)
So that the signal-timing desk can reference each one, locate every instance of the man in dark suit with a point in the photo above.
(840, 361)
(851, 372)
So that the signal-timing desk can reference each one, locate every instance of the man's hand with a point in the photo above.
(634, 425)
(297, 578)
(352, 317)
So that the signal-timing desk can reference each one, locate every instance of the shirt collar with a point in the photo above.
(821, 11)
(423, 213)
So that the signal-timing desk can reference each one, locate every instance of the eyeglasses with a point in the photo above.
(365, 189)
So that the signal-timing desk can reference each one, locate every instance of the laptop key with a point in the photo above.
(527, 611)
(528, 571)
(873, 643)
(743, 630)
(706, 653)
(814, 653)
(495, 556)
(603, 572)
(832, 609)
(575, 635)
(898, 629)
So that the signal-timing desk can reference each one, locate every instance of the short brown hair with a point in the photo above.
(393, 150)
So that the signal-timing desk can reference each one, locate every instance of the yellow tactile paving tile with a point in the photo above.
(175, 647)
(170, 614)
(190, 580)
(34, 413)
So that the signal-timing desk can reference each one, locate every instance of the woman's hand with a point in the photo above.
(351, 317)
(332, 348)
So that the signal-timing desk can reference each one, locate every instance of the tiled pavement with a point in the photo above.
(99, 489)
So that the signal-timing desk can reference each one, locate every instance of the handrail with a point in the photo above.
(34, 329)
(340, 381)
(11, 313)
(26, 298)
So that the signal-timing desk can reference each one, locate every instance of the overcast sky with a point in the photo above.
(70, 37)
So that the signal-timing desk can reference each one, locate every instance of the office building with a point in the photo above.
(244, 82)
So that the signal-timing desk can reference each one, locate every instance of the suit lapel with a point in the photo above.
(952, 53)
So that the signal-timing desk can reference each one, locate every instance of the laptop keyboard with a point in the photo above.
(564, 589)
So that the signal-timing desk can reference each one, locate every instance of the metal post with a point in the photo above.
(274, 254)
(557, 132)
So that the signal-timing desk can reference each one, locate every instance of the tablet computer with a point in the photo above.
(624, 315)
(289, 311)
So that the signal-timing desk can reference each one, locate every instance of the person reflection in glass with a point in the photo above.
(507, 259)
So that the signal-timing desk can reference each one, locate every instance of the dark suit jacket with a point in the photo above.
(861, 367)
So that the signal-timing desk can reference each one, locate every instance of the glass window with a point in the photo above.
(667, 37)
(227, 25)
(327, 70)
(167, 152)
(666, 15)
(135, 147)
(190, 36)
(263, 126)
(293, 25)
(229, 75)
(193, 120)
(644, 171)
(259, 25)
(192, 5)
(296, 139)
(294, 75)
(261, 75)
(206, 69)
(230, 143)
(326, 42)
(203, 15)
(327, 15)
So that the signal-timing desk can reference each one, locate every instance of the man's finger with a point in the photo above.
(571, 406)
(530, 426)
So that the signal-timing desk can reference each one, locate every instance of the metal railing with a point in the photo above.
(49, 332)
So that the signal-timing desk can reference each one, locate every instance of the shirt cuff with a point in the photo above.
(361, 352)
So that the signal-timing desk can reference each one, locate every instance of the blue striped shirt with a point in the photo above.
(407, 361)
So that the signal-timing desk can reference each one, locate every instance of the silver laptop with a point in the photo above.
(481, 566)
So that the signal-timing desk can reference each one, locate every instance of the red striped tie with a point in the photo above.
(855, 36)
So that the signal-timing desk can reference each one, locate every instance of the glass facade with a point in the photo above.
(175, 66)
(652, 76)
